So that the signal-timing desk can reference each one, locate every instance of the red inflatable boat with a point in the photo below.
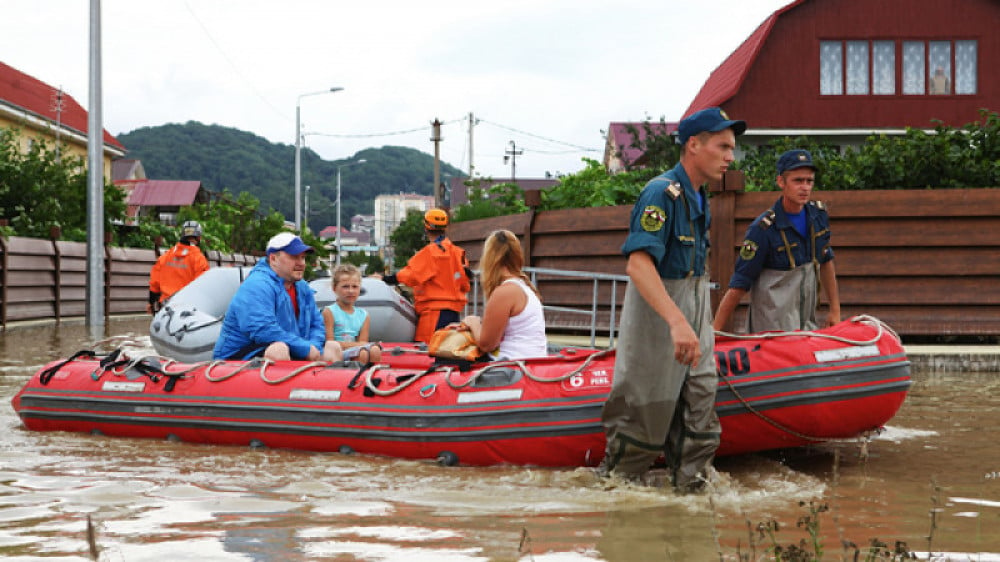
(775, 391)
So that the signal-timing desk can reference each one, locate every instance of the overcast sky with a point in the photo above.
(547, 74)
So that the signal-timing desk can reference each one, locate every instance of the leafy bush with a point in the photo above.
(945, 157)
(40, 190)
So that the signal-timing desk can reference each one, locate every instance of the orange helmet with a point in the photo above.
(435, 219)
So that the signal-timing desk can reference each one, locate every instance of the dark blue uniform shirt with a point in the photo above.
(670, 222)
(773, 242)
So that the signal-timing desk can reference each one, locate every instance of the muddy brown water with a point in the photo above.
(932, 480)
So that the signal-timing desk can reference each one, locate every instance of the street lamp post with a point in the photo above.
(298, 151)
(362, 161)
(305, 214)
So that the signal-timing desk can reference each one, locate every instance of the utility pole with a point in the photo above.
(511, 154)
(57, 106)
(95, 306)
(472, 123)
(436, 138)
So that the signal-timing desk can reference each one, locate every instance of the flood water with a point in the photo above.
(932, 480)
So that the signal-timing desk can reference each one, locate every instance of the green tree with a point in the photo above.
(495, 201)
(408, 238)
(595, 187)
(370, 264)
(39, 190)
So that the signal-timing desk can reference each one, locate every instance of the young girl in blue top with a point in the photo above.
(347, 324)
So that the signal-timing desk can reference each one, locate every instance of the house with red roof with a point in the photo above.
(161, 200)
(841, 70)
(40, 111)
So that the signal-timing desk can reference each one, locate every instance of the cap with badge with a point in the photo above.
(708, 120)
(795, 159)
(288, 243)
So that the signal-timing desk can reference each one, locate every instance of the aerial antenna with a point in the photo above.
(57, 107)
(511, 155)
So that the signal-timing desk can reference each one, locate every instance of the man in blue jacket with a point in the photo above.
(274, 314)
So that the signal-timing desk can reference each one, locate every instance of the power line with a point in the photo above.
(512, 129)
(231, 63)
(386, 134)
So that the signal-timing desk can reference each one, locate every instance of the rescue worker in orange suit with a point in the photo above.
(176, 267)
(439, 275)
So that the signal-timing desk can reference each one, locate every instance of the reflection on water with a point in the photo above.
(153, 500)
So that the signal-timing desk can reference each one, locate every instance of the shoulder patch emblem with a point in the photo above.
(748, 250)
(819, 205)
(652, 218)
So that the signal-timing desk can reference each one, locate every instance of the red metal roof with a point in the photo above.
(34, 96)
(164, 193)
(726, 80)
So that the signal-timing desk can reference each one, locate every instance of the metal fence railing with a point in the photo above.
(592, 313)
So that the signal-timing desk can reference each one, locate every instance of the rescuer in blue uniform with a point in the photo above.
(662, 400)
(784, 255)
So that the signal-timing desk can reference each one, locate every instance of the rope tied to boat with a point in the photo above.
(864, 437)
(451, 370)
(880, 327)
(260, 364)
(411, 378)
(245, 366)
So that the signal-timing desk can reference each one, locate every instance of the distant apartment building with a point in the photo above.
(390, 210)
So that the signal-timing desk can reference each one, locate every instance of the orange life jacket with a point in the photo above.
(176, 268)
(437, 276)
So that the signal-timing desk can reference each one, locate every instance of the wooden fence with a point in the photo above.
(47, 279)
(927, 262)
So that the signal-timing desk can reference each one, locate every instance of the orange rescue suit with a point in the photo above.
(437, 276)
(176, 268)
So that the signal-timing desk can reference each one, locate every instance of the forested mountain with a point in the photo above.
(224, 158)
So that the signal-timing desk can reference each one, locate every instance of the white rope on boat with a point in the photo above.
(292, 374)
(247, 365)
(165, 362)
(880, 326)
(370, 385)
(450, 371)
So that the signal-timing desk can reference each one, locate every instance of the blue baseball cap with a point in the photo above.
(795, 159)
(711, 120)
(288, 243)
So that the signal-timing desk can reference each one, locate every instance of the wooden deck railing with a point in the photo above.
(927, 262)
(47, 279)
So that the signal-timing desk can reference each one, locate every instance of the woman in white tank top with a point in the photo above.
(513, 322)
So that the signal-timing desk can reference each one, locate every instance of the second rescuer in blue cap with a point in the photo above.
(795, 159)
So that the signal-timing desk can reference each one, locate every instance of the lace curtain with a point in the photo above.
(965, 67)
(884, 67)
(857, 67)
(939, 67)
(913, 67)
(926, 69)
(831, 65)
